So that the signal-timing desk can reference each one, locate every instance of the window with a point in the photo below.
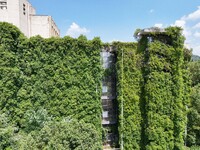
(24, 9)
(3, 5)
(105, 114)
(104, 89)
(105, 59)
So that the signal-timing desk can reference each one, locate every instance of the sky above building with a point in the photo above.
(116, 20)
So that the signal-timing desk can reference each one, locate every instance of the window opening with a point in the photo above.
(104, 89)
(3, 5)
(24, 9)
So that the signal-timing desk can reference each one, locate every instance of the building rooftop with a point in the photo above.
(150, 31)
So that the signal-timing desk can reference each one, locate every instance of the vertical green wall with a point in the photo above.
(61, 75)
(153, 90)
(129, 79)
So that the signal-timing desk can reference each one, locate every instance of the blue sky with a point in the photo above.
(117, 19)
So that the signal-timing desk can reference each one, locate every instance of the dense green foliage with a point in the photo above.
(193, 126)
(193, 137)
(164, 91)
(158, 98)
(67, 134)
(45, 81)
(63, 75)
(129, 91)
(194, 68)
(154, 88)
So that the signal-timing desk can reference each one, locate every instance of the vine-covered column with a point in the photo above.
(163, 96)
(128, 85)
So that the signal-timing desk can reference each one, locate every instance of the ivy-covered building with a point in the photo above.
(152, 90)
(135, 95)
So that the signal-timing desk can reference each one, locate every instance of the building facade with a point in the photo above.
(22, 14)
(109, 99)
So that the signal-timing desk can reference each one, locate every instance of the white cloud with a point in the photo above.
(191, 25)
(197, 34)
(196, 26)
(75, 30)
(187, 32)
(151, 11)
(180, 23)
(194, 15)
(159, 25)
(187, 45)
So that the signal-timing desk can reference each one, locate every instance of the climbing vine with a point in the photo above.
(63, 75)
(129, 82)
(165, 90)
(153, 90)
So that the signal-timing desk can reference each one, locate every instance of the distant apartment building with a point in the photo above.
(21, 14)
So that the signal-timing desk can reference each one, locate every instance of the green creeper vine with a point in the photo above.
(63, 75)
(165, 90)
(129, 79)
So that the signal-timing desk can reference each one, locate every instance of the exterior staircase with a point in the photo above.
(109, 102)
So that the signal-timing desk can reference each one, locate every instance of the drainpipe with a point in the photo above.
(122, 107)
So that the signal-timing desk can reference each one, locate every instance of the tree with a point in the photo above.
(63, 75)
(193, 127)
(194, 68)
(7, 134)
(35, 119)
(64, 135)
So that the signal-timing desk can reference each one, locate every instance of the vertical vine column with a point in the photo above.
(163, 97)
(180, 96)
(128, 89)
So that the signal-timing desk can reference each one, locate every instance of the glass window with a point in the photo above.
(105, 57)
(3, 3)
(104, 89)
(3, 7)
(105, 114)
(24, 9)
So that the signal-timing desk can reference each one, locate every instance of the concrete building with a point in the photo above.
(21, 14)
(44, 26)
